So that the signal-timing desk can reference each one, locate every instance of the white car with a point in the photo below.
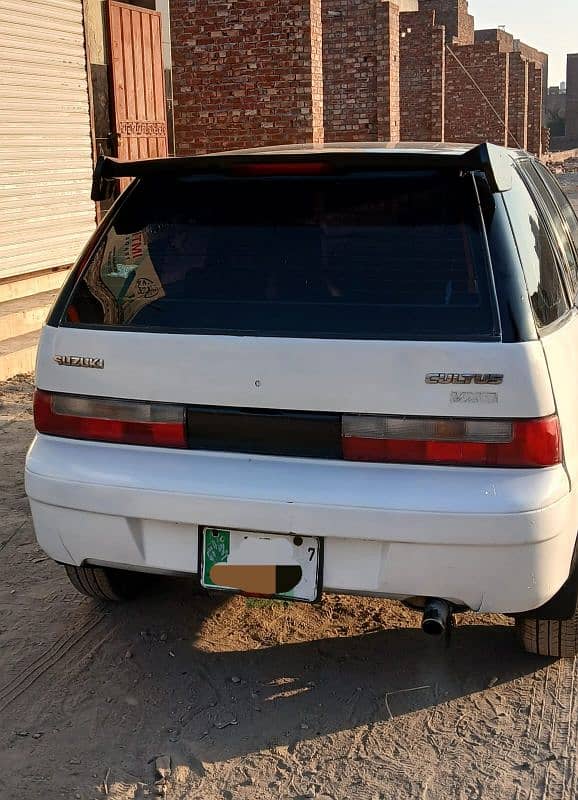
(339, 368)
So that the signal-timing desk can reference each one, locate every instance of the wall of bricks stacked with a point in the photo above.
(572, 97)
(360, 63)
(453, 14)
(422, 77)
(349, 70)
(504, 39)
(257, 72)
(535, 93)
(532, 54)
(500, 66)
(438, 96)
(465, 33)
(525, 104)
(316, 44)
(469, 118)
(387, 69)
(518, 101)
(246, 73)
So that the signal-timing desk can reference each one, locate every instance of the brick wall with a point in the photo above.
(532, 54)
(572, 96)
(422, 77)
(535, 93)
(349, 70)
(438, 106)
(465, 24)
(387, 71)
(525, 104)
(257, 72)
(316, 44)
(246, 73)
(453, 14)
(504, 39)
(470, 118)
(518, 101)
(360, 67)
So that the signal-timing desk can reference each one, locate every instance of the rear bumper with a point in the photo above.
(494, 540)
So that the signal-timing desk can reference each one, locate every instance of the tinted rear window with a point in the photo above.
(397, 257)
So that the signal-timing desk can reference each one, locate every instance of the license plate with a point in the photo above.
(261, 564)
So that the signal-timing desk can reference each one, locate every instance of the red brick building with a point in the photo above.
(572, 100)
(256, 72)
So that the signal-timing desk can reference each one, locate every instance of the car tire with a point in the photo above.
(549, 637)
(105, 583)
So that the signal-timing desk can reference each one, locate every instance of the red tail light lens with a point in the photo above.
(452, 442)
(103, 420)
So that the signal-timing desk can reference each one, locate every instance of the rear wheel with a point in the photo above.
(549, 637)
(105, 583)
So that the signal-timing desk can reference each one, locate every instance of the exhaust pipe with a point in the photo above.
(437, 617)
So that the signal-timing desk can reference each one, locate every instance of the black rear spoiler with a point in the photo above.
(495, 162)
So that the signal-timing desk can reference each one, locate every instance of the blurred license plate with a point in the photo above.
(261, 564)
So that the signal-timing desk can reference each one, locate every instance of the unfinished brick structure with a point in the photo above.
(462, 85)
(472, 72)
(255, 72)
(572, 98)
(246, 72)
(360, 70)
(422, 76)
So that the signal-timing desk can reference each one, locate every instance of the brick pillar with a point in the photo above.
(518, 101)
(535, 109)
(415, 75)
(454, 15)
(422, 77)
(572, 97)
(438, 84)
(360, 70)
(469, 117)
(349, 70)
(246, 73)
(316, 70)
(387, 69)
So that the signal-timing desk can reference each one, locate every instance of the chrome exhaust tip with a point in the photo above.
(436, 617)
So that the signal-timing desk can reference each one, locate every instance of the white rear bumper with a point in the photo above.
(494, 540)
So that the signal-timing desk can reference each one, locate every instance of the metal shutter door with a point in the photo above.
(45, 146)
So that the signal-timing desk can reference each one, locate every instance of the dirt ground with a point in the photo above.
(569, 182)
(252, 700)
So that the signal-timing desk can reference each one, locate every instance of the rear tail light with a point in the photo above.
(99, 419)
(371, 438)
(476, 443)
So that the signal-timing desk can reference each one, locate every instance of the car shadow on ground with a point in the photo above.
(173, 694)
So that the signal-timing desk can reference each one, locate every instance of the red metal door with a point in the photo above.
(137, 81)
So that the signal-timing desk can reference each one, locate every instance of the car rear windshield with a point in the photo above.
(390, 256)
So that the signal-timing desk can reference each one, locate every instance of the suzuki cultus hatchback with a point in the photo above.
(339, 368)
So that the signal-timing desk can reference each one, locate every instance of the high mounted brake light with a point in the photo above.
(104, 420)
(452, 442)
(284, 169)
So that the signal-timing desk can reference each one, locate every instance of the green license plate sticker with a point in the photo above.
(216, 551)
(260, 564)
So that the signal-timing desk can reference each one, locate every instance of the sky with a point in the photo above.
(551, 26)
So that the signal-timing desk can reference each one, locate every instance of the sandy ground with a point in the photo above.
(251, 700)
(569, 182)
